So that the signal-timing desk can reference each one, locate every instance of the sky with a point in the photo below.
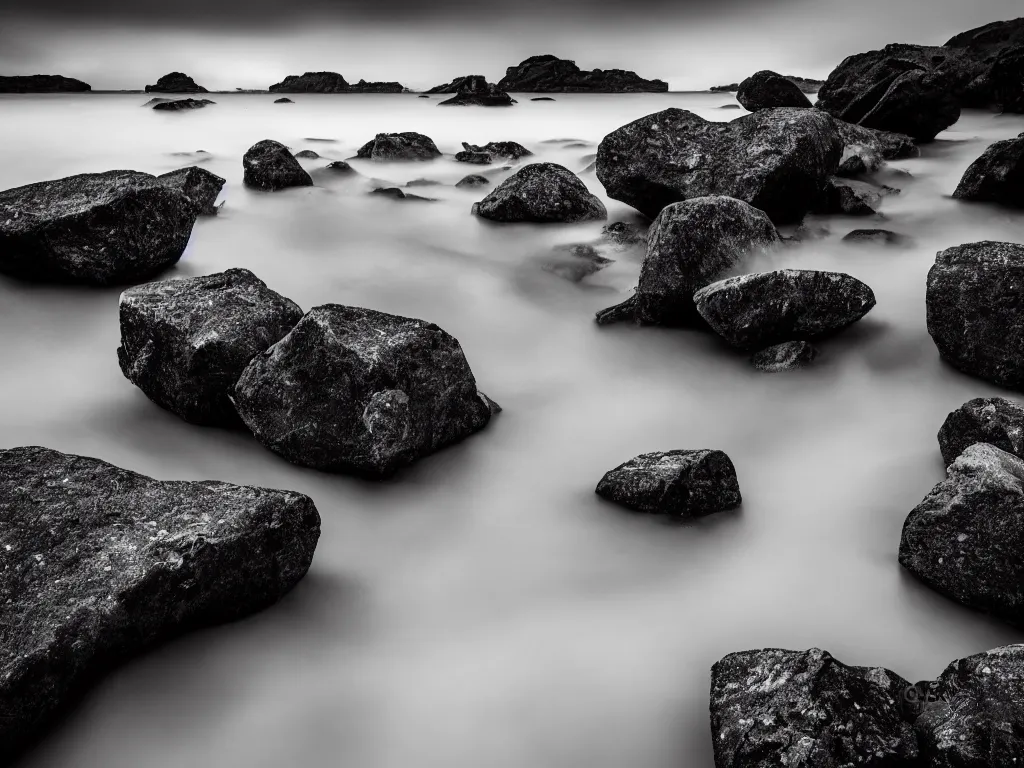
(692, 44)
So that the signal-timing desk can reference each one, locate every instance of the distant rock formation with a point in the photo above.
(550, 74)
(175, 105)
(475, 91)
(330, 82)
(175, 82)
(805, 84)
(454, 86)
(42, 84)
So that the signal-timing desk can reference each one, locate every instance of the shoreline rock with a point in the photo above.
(768, 90)
(993, 420)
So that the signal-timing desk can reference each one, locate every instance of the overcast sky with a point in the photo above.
(125, 44)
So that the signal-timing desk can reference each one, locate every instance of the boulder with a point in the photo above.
(997, 176)
(805, 84)
(542, 193)
(848, 197)
(852, 167)
(307, 154)
(510, 150)
(407, 146)
(575, 261)
(341, 168)
(42, 84)
(474, 158)
(330, 82)
(268, 165)
(185, 342)
(993, 420)
(95, 228)
(787, 356)
(550, 74)
(767, 89)
(177, 105)
(777, 160)
(361, 391)
(175, 82)
(423, 183)
(762, 309)
(994, 82)
(101, 563)
(475, 91)
(473, 180)
(198, 185)
(875, 237)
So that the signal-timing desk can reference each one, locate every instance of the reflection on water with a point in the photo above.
(486, 607)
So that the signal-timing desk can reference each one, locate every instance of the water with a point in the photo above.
(486, 608)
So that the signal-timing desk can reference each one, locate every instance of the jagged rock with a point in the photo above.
(875, 236)
(543, 193)
(175, 82)
(973, 304)
(852, 198)
(341, 168)
(95, 228)
(198, 185)
(766, 308)
(376, 87)
(777, 160)
(42, 84)
(576, 261)
(784, 357)
(177, 105)
(474, 158)
(873, 147)
(774, 707)
(185, 342)
(475, 91)
(101, 563)
(307, 154)
(997, 176)
(473, 180)
(993, 420)
(681, 483)
(767, 89)
(268, 165)
(511, 150)
(330, 82)
(387, 147)
(360, 391)
(550, 74)
(283, 100)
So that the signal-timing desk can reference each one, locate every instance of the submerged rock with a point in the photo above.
(42, 84)
(873, 147)
(175, 82)
(177, 105)
(787, 356)
(473, 180)
(576, 261)
(624, 234)
(543, 193)
(474, 158)
(542, 98)
(550, 74)
(283, 100)
(681, 483)
(475, 91)
(993, 420)
(767, 90)
(396, 193)
(268, 165)
(198, 185)
(341, 168)
(399, 146)
(101, 563)
(360, 391)
(875, 237)
(997, 176)
(185, 342)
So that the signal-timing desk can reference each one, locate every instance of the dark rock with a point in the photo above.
(809, 231)
(307, 154)
(393, 192)
(993, 420)
(157, 100)
(997, 176)
(101, 563)
(787, 356)
(322, 141)
(423, 96)
(198, 185)
(185, 342)
(330, 82)
(875, 237)
(767, 90)
(730, 88)
(268, 165)
(475, 91)
(387, 147)
(179, 104)
(986, 46)
(542, 98)
(95, 228)
(766, 308)
(42, 84)
(774, 707)
(376, 87)
(550, 74)
(874, 147)
(973, 303)
(1007, 79)
(806, 85)
(340, 167)
(474, 158)
(283, 100)
(175, 82)
(730, 106)
(682, 483)
(456, 85)
(848, 197)
(473, 180)
(624, 234)
(510, 150)
(543, 193)
(423, 183)
(360, 391)
(777, 160)
(576, 261)
(852, 167)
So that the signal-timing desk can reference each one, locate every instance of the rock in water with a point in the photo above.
(873, 147)
(575, 261)
(543, 193)
(95, 228)
(993, 420)
(176, 105)
(268, 165)
(787, 356)
(965, 539)
(42, 84)
(399, 146)
(849, 197)
(774, 707)
(550, 74)
(473, 180)
(283, 100)
(175, 82)
(875, 237)
(101, 563)
(307, 154)
(777, 160)
(510, 150)
(340, 168)
(852, 167)
(199, 185)
(185, 342)
(690, 245)
(973, 303)
(1007, 78)
(475, 91)
(766, 308)
(475, 158)
(360, 391)
(330, 82)
(767, 89)
(997, 176)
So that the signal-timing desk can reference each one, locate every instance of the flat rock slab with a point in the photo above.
(993, 420)
(541, 193)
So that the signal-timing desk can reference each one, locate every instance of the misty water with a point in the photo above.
(486, 607)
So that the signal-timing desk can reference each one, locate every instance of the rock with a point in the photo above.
(511, 150)
(307, 154)
(157, 100)
(456, 85)
(997, 176)
(985, 47)
(102, 563)
(1007, 79)
(542, 98)
(993, 420)
(543, 193)
(875, 237)
(964, 539)
(774, 707)
(690, 245)
(376, 87)
(423, 183)
(198, 185)
(475, 91)
(624, 234)
(973, 297)
(473, 180)
(322, 141)
(341, 168)
(576, 261)
(808, 231)
(397, 194)
(806, 85)
(766, 308)
(873, 147)
(767, 89)
(682, 483)
(423, 96)
(550, 74)
(360, 391)
(95, 228)
(175, 82)
(179, 104)
(787, 356)
(848, 197)
(474, 158)
(330, 82)
(42, 84)
(852, 167)
(730, 106)
(185, 342)
(283, 100)
(386, 147)
(777, 160)
(268, 165)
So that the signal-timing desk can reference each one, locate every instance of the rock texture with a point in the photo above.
(993, 49)
(473, 180)
(997, 176)
(787, 356)
(993, 420)
(340, 168)
(177, 105)
(198, 185)
(175, 82)
(873, 147)
(542, 193)
(475, 91)
(361, 391)
(508, 150)
(42, 84)
(386, 147)
(1007, 79)
(550, 74)
(330, 82)
(767, 89)
(101, 563)
(268, 165)
(849, 197)
(875, 237)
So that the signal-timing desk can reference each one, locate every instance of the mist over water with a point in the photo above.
(486, 607)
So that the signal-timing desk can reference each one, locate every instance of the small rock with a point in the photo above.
(283, 100)
(787, 356)
(852, 167)
(511, 150)
(180, 104)
(307, 154)
(543, 193)
(577, 261)
(875, 237)
(473, 180)
(409, 146)
(993, 420)
(268, 165)
(397, 194)
(475, 158)
(340, 167)
(997, 176)
(423, 183)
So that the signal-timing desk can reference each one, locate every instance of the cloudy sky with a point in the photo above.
(224, 44)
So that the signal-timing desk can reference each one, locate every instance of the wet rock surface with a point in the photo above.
(788, 356)
(175, 82)
(542, 193)
(408, 146)
(875, 237)
(550, 74)
(198, 185)
(873, 147)
(340, 168)
(767, 89)
(993, 420)
(268, 165)
(997, 176)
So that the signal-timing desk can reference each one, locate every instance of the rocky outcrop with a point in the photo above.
(997, 176)
(767, 90)
(95, 228)
(755, 311)
(973, 297)
(473, 180)
(330, 82)
(993, 420)
(268, 165)
(387, 147)
(996, 50)
(475, 91)
(787, 356)
(185, 342)
(777, 160)
(175, 82)
(101, 563)
(542, 193)
(473, 158)
(454, 86)
(680, 484)
(198, 185)
(550, 74)
(42, 84)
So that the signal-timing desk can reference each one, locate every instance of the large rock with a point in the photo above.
(777, 160)
(767, 90)
(873, 147)
(330, 82)
(185, 342)
(361, 391)
(268, 165)
(1006, 79)
(997, 176)
(993, 420)
(175, 82)
(805, 84)
(774, 707)
(690, 245)
(198, 185)
(849, 197)
(475, 91)
(543, 193)
(973, 300)
(681, 483)
(550, 74)
(766, 308)
(995, 81)
(101, 563)
(408, 146)
(965, 539)
(95, 228)
(42, 84)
